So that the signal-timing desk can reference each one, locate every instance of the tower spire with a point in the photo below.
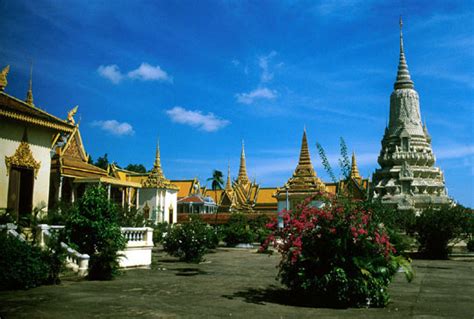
(243, 178)
(305, 158)
(354, 169)
(29, 94)
(228, 184)
(403, 80)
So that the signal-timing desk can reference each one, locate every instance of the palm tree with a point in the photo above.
(217, 180)
(217, 183)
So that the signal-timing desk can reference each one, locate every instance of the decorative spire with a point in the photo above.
(403, 75)
(228, 184)
(242, 178)
(29, 94)
(354, 169)
(156, 178)
(305, 158)
(3, 78)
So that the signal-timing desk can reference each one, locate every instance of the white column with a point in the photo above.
(73, 193)
(123, 197)
(109, 191)
(129, 197)
(137, 198)
(60, 188)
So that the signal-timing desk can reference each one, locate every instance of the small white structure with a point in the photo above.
(158, 196)
(137, 253)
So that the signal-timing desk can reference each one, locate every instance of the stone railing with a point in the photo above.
(137, 253)
(10, 229)
(74, 260)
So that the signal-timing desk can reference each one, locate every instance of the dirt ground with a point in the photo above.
(235, 283)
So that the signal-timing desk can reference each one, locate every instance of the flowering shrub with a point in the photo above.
(190, 241)
(337, 255)
(238, 231)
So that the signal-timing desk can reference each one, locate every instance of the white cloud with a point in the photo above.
(263, 63)
(454, 152)
(235, 62)
(114, 127)
(110, 72)
(260, 93)
(147, 72)
(205, 122)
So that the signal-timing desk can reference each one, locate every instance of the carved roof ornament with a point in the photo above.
(354, 169)
(23, 157)
(156, 178)
(3, 78)
(243, 177)
(70, 115)
(304, 179)
(228, 184)
(29, 94)
(403, 75)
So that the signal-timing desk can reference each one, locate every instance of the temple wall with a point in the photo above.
(39, 139)
(158, 199)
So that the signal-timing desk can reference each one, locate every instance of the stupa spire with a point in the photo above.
(403, 80)
(29, 94)
(243, 177)
(305, 158)
(354, 169)
(228, 184)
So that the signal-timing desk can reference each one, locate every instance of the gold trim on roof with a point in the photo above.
(23, 157)
(156, 178)
(32, 120)
(3, 77)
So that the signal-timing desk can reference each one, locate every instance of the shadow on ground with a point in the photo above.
(278, 295)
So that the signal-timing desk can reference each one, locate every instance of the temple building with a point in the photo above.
(303, 184)
(158, 196)
(241, 196)
(407, 178)
(354, 186)
(27, 134)
(71, 172)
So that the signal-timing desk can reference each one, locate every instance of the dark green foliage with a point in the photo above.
(102, 162)
(57, 215)
(130, 217)
(470, 245)
(56, 257)
(22, 266)
(217, 180)
(258, 226)
(400, 225)
(93, 228)
(190, 241)
(160, 230)
(325, 162)
(344, 161)
(436, 229)
(238, 231)
(138, 168)
(6, 217)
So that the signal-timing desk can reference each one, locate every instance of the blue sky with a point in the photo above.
(203, 75)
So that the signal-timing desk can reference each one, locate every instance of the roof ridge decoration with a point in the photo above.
(243, 177)
(228, 184)
(156, 178)
(403, 80)
(3, 77)
(354, 169)
(23, 157)
(29, 94)
(304, 179)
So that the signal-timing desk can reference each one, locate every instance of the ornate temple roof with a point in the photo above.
(242, 178)
(304, 180)
(403, 80)
(156, 178)
(354, 169)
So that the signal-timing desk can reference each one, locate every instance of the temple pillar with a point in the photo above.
(60, 188)
(109, 191)
(123, 197)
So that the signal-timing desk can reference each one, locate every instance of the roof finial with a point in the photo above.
(403, 80)
(243, 178)
(228, 185)
(29, 94)
(305, 158)
(3, 78)
(354, 169)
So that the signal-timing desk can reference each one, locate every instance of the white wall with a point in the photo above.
(158, 199)
(11, 134)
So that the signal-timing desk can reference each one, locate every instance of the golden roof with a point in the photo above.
(242, 178)
(304, 180)
(354, 169)
(156, 178)
(265, 196)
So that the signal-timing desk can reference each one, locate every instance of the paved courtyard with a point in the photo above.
(235, 283)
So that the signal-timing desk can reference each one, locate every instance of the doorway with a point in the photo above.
(20, 192)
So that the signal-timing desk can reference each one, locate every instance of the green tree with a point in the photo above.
(325, 162)
(138, 168)
(92, 227)
(217, 180)
(102, 162)
(344, 162)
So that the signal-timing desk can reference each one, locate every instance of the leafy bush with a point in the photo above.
(436, 229)
(470, 245)
(258, 227)
(57, 215)
(238, 231)
(190, 241)
(160, 230)
(22, 266)
(338, 255)
(130, 217)
(400, 225)
(93, 228)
